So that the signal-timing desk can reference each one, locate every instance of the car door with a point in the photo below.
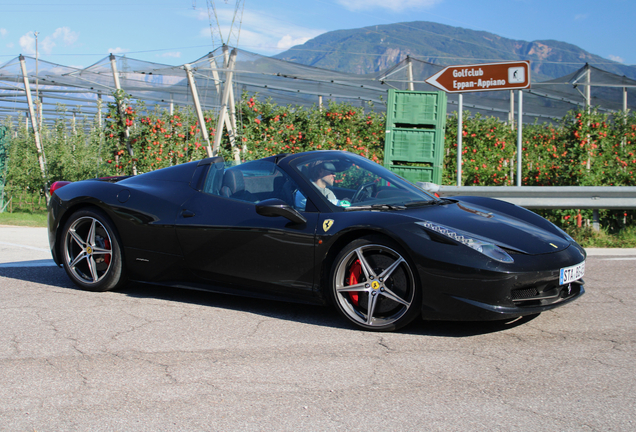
(226, 243)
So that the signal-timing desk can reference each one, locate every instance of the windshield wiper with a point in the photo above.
(422, 203)
(376, 207)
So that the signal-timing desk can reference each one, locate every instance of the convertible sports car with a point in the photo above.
(319, 227)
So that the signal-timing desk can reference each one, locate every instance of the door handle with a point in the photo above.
(187, 214)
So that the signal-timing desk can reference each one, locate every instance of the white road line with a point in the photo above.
(26, 247)
(619, 259)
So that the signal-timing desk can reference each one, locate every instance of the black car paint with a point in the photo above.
(174, 234)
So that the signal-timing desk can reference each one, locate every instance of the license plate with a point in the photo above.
(570, 274)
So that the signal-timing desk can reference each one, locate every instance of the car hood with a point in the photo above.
(495, 226)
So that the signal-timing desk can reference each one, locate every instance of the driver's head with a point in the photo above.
(326, 172)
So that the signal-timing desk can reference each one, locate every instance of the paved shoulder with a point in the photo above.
(24, 246)
(620, 252)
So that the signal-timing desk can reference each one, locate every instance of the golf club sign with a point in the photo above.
(482, 77)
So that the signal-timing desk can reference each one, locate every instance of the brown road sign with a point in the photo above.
(483, 77)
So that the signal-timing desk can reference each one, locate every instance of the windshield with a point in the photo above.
(354, 182)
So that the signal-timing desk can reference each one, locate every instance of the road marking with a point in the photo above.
(26, 247)
(619, 259)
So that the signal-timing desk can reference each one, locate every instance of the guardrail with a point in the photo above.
(549, 197)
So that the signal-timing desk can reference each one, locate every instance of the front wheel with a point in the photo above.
(373, 285)
(91, 251)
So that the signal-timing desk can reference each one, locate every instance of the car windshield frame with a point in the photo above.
(391, 192)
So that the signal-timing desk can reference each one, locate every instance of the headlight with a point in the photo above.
(489, 249)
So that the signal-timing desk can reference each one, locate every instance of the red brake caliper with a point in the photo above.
(354, 278)
(107, 256)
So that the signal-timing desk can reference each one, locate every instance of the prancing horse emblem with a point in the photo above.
(328, 223)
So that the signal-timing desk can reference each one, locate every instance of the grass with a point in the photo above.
(24, 218)
(586, 236)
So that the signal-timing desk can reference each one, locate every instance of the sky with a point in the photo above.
(80, 33)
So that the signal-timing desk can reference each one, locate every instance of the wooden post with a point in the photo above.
(34, 125)
(122, 108)
(409, 73)
(588, 90)
(224, 106)
(197, 107)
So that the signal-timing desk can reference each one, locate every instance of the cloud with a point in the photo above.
(580, 17)
(118, 50)
(261, 32)
(288, 41)
(3, 32)
(616, 58)
(27, 43)
(393, 5)
(175, 54)
(47, 43)
(68, 36)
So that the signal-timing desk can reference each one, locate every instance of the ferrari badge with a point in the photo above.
(328, 223)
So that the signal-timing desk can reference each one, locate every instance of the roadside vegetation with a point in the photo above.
(580, 149)
(24, 218)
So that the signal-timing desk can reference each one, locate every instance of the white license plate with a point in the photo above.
(570, 274)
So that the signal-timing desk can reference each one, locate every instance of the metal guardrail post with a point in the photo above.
(596, 224)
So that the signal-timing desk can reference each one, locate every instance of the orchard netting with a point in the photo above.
(66, 91)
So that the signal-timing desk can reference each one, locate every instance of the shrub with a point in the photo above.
(582, 149)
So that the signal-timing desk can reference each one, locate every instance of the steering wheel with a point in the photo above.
(363, 192)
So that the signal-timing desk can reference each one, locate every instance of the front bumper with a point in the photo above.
(565, 294)
(529, 287)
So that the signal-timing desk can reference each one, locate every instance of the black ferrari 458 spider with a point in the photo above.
(317, 227)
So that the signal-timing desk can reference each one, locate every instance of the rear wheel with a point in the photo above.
(373, 285)
(91, 251)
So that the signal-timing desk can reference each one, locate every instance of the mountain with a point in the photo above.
(375, 48)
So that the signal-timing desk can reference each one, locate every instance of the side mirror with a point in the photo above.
(276, 207)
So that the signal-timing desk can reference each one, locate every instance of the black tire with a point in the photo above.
(91, 251)
(373, 285)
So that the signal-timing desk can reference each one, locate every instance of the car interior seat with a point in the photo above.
(234, 186)
(213, 181)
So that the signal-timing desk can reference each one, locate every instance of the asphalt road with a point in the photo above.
(155, 359)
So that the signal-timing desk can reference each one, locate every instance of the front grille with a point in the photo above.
(544, 294)
(524, 294)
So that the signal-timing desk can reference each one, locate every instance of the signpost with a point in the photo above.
(484, 77)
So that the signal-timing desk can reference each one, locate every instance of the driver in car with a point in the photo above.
(324, 175)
